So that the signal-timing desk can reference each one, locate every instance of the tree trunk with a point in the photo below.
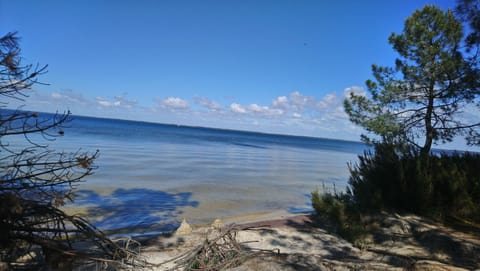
(428, 143)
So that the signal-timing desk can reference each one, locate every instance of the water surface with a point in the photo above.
(150, 176)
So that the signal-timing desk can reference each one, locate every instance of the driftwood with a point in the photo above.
(220, 252)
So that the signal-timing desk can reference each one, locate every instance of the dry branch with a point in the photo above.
(219, 252)
(35, 181)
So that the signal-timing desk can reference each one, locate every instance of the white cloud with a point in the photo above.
(210, 104)
(281, 102)
(330, 98)
(174, 103)
(302, 108)
(296, 115)
(103, 102)
(264, 110)
(290, 113)
(236, 108)
(295, 102)
(339, 113)
(256, 110)
(328, 101)
(66, 97)
(298, 101)
(119, 101)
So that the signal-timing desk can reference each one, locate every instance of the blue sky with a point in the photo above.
(269, 66)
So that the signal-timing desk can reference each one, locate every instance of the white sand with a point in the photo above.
(303, 247)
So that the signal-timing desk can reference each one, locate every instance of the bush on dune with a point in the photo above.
(340, 215)
(437, 186)
(442, 187)
(407, 109)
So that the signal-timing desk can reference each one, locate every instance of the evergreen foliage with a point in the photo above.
(410, 107)
(421, 100)
(469, 11)
(437, 186)
(338, 214)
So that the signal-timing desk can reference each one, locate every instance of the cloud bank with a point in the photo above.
(291, 113)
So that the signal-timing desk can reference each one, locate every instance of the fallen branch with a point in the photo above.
(218, 253)
(69, 238)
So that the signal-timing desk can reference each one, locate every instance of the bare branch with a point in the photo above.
(36, 180)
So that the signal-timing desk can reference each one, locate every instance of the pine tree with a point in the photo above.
(420, 101)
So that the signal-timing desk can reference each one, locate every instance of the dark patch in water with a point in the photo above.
(248, 145)
(135, 211)
(300, 210)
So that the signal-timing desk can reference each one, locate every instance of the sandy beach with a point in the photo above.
(297, 242)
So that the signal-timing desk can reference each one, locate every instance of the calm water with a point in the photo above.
(150, 176)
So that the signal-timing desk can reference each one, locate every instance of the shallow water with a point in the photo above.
(150, 176)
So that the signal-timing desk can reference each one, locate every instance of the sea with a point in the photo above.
(150, 176)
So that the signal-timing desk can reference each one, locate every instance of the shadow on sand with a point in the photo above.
(421, 242)
(134, 211)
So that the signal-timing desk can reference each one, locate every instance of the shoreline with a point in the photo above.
(251, 218)
(169, 226)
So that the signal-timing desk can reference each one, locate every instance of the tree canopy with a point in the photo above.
(469, 11)
(422, 99)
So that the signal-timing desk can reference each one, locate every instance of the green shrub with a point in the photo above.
(437, 186)
(328, 206)
(340, 216)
